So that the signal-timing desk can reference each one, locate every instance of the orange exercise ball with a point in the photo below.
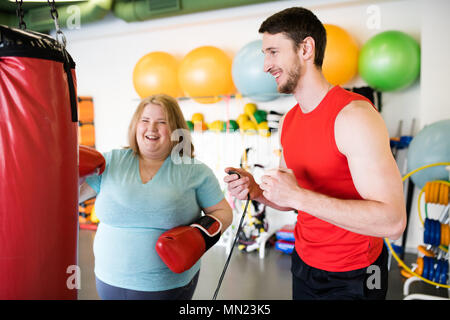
(340, 63)
(156, 72)
(205, 74)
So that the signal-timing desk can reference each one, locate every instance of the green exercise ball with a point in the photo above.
(233, 126)
(390, 61)
(190, 125)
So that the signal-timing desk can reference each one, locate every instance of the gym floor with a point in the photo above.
(247, 276)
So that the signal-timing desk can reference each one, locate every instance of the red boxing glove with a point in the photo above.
(181, 247)
(90, 161)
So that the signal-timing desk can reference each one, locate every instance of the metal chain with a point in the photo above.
(20, 14)
(60, 37)
(53, 11)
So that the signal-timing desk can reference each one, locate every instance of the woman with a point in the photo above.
(144, 191)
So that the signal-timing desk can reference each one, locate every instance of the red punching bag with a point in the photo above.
(38, 168)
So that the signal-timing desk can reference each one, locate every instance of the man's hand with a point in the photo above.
(239, 188)
(280, 187)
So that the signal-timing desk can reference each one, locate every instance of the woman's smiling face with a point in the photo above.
(153, 133)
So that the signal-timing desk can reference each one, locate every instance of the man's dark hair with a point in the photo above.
(298, 23)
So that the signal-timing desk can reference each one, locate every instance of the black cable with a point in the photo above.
(234, 242)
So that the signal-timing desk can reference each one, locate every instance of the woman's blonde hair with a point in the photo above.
(175, 120)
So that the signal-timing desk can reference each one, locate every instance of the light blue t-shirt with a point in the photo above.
(133, 215)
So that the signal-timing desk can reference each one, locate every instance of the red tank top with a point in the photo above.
(310, 150)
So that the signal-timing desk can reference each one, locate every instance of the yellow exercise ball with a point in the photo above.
(216, 126)
(156, 72)
(205, 74)
(263, 129)
(243, 117)
(340, 63)
(94, 218)
(250, 109)
(249, 127)
(197, 117)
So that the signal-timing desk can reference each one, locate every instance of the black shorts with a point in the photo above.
(368, 283)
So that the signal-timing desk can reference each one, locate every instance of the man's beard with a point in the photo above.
(291, 83)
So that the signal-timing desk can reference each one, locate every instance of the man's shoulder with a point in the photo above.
(358, 124)
(357, 109)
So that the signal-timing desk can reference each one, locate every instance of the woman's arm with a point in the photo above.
(221, 211)
(86, 192)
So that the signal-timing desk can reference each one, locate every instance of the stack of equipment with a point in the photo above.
(285, 239)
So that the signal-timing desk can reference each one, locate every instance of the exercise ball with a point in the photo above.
(249, 127)
(197, 117)
(205, 74)
(243, 117)
(430, 145)
(249, 76)
(340, 62)
(231, 124)
(156, 72)
(215, 126)
(390, 61)
(260, 116)
(190, 125)
(94, 218)
(263, 129)
(250, 108)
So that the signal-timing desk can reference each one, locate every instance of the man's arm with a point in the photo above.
(362, 137)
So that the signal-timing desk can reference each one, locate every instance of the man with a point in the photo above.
(336, 170)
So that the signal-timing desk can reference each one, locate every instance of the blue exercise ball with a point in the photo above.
(430, 145)
(249, 76)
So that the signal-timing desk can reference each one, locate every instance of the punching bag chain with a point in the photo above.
(19, 13)
(60, 37)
